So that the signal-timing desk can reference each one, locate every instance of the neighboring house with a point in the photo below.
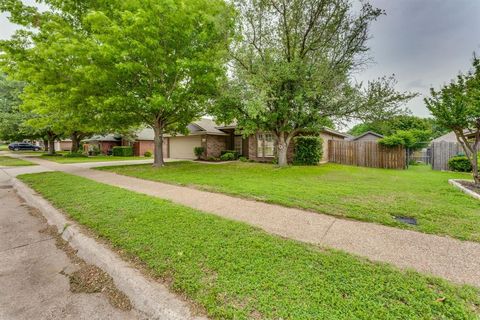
(449, 137)
(367, 136)
(445, 147)
(63, 145)
(104, 144)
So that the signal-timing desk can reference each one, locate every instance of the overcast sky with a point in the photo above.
(423, 42)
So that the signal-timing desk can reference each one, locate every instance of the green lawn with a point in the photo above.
(3, 147)
(13, 162)
(367, 194)
(235, 271)
(91, 159)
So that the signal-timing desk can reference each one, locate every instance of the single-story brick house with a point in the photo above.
(214, 139)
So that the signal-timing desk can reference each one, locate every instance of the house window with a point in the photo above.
(238, 144)
(265, 145)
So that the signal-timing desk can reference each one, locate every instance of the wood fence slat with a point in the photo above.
(366, 154)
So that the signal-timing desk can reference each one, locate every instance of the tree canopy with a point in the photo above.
(291, 68)
(391, 125)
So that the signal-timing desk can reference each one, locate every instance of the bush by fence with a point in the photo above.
(308, 150)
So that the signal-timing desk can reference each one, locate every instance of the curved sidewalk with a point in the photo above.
(455, 260)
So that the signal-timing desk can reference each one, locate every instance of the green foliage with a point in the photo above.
(12, 120)
(308, 150)
(75, 155)
(460, 164)
(199, 151)
(122, 151)
(243, 159)
(235, 153)
(147, 154)
(228, 156)
(391, 125)
(412, 139)
(235, 271)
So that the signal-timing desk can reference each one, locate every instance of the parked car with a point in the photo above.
(17, 146)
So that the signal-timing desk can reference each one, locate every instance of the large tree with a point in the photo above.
(457, 106)
(51, 56)
(163, 60)
(292, 66)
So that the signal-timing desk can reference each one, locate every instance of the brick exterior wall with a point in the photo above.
(65, 146)
(106, 146)
(214, 145)
(142, 146)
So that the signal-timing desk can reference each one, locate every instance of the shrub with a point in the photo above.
(147, 154)
(243, 159)
(236, 155)
(198, 151)
(227, 156)
(75, 155)
(212, 159)
(460, 163)
(308, 150)
(123, 151)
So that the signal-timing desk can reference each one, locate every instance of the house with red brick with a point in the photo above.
(212, 137)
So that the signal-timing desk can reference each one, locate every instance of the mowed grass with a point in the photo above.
(3, 147)
(13, 162)
(234, 271)
(61, 159)
(366, 194)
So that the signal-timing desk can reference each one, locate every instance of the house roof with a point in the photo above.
(367, 133)
(451, 137)
(108, 137)
(335, 132)
(200, 127)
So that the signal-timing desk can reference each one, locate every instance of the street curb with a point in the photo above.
(147, 296)
(454, 182)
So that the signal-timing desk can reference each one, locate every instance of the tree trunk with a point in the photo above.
(75, 137)
(282, 149)
(45, 145)
(158, 145)
(476, 176)
(51, 136)
(51, 146)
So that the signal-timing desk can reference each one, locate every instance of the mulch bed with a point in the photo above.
(470, 186)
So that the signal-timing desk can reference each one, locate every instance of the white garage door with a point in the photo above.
(182, 147)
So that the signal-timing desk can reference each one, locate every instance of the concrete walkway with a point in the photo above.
(34, 284)
(458, 261)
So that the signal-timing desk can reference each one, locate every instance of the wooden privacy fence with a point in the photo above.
(442, 151)
(366, 154)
